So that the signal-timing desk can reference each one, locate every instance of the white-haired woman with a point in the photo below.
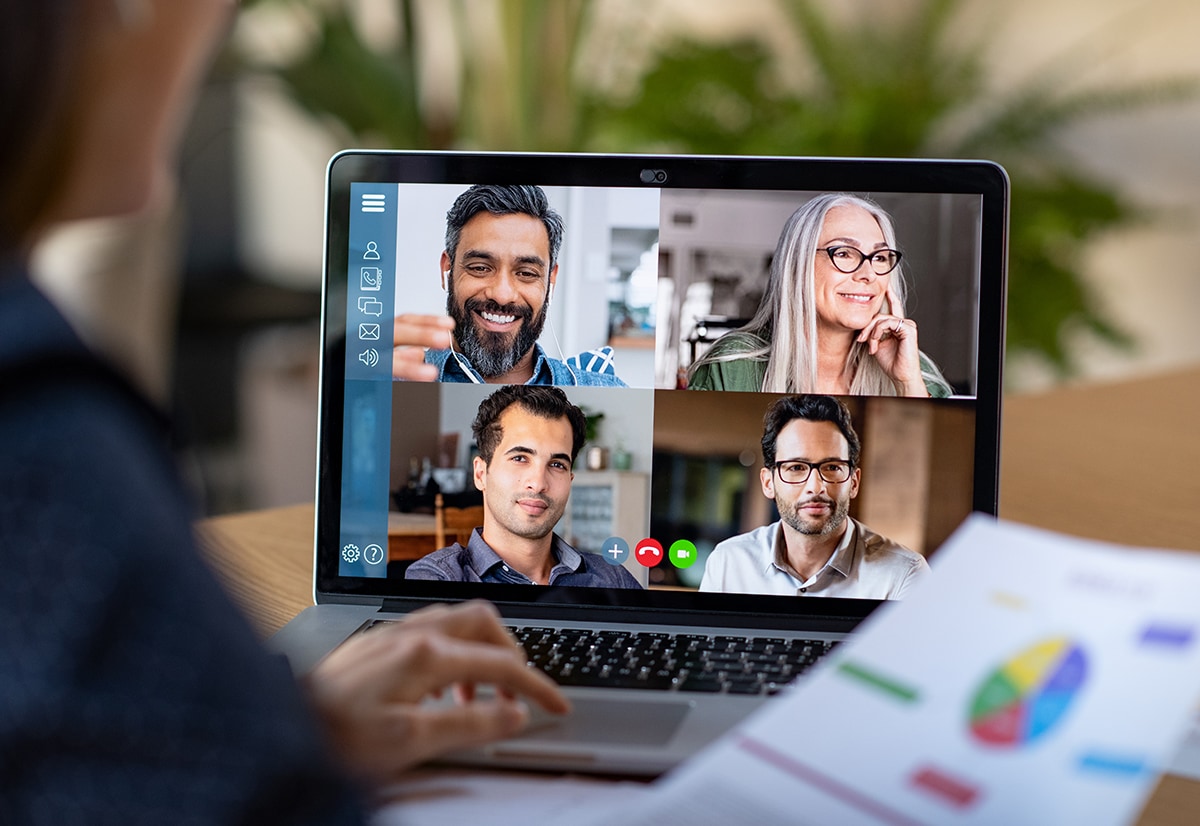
(832, 318)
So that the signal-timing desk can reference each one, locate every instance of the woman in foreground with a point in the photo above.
(131, 690)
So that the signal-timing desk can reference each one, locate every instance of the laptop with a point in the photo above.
(660, 257)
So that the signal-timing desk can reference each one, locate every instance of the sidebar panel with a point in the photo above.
(366, 440)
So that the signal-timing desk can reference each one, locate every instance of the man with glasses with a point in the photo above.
(810, 468)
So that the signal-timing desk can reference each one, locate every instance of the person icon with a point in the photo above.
(372, 253)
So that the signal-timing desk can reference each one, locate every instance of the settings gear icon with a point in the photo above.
(350, 553)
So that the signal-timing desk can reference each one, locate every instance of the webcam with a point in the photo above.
(653, 176)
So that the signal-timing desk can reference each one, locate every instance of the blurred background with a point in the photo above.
(1093, 106)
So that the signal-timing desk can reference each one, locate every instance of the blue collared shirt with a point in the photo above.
(584, 369)
(477, 562)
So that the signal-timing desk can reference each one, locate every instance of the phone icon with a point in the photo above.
(648, 552)
(372, 279)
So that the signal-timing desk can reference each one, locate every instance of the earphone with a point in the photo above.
(464, 366)
(554, 335)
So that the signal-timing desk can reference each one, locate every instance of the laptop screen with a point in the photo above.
(777, 379)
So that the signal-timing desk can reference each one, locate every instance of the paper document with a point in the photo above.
(1033, 678)
(441, 796)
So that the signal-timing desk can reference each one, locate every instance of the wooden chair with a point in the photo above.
(454, 524)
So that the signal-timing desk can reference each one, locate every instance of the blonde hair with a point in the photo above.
(783, 332)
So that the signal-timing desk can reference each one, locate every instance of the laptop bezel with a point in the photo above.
(983, 178)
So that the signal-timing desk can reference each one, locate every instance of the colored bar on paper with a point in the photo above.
(956, 792)
(1170, 636)
(1113, 763)
(875, 680)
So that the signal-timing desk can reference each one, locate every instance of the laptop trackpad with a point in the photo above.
(624, 722)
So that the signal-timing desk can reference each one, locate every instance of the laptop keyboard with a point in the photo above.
(669, 662)
(665, 661)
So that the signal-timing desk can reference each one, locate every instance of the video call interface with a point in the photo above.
(669, 490)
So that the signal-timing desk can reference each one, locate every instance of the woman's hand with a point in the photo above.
(369, 691)
(892, 341)
(411, 335)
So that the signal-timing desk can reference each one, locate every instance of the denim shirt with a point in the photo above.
(478, 562)
(583, 369)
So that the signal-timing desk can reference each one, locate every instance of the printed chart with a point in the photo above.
(988, 696)
(1028, 695)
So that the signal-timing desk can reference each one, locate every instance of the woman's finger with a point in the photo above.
(895, 305)
(474, 620)
(407, 664)
(883, 326)
(877, 328)
(434, 730)
(465, 664)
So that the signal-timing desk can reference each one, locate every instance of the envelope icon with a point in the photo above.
(368, 332)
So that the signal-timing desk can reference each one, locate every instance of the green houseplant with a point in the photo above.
(921, 89)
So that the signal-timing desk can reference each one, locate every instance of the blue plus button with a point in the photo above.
(615, 550)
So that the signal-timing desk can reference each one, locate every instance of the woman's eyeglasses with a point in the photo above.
(849, 259)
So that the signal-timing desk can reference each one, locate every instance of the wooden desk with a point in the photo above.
(1118, 462)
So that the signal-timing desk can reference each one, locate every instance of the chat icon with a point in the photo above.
(369, 332)
(370, 306)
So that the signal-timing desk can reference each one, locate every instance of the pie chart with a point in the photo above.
(1027, 695)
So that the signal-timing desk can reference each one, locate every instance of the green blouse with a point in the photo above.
(746, 374)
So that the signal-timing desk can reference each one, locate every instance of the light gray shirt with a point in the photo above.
(865, 565)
